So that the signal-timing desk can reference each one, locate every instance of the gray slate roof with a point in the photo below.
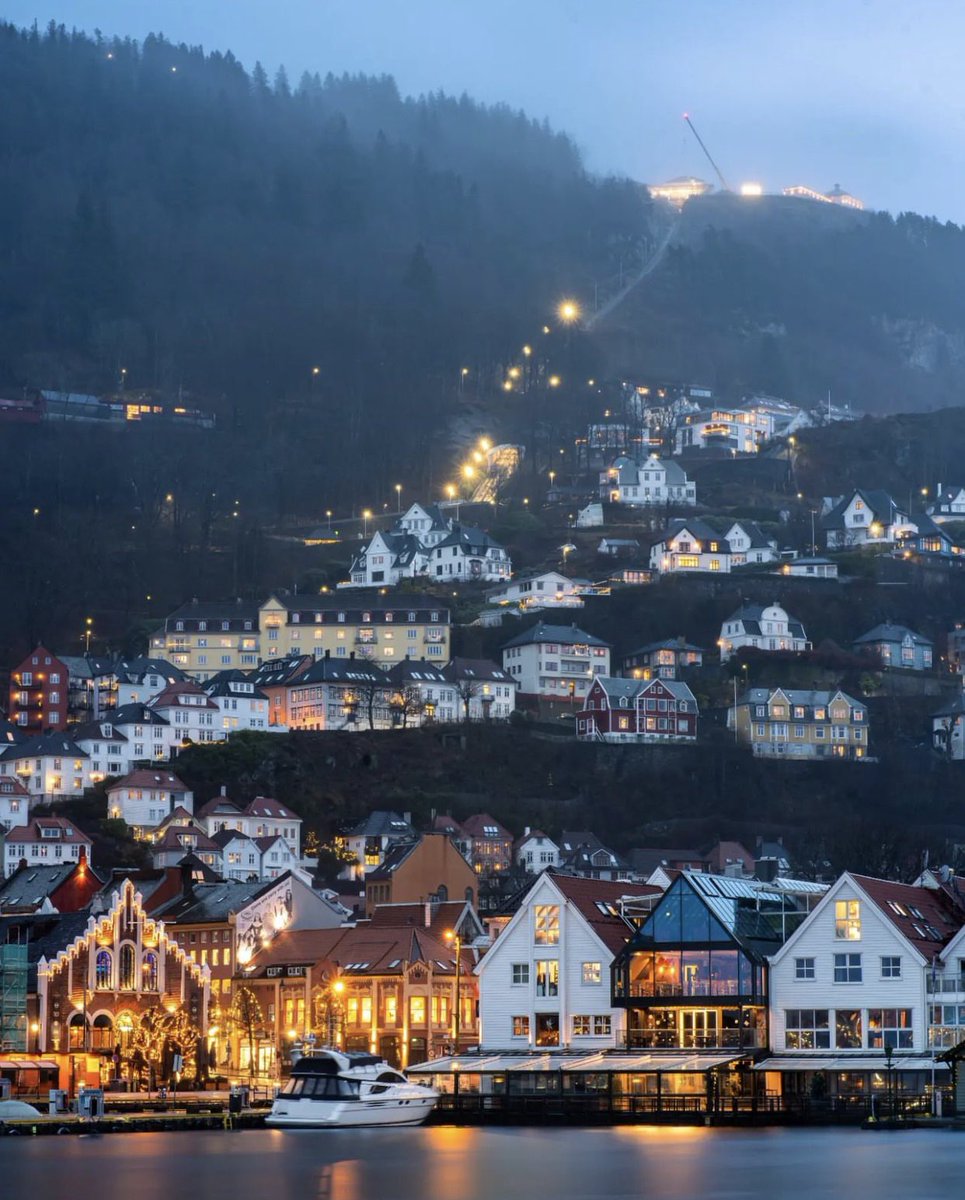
(568, 635)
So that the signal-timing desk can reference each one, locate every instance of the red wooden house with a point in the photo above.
(638, 710)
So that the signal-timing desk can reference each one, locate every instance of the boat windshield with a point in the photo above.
(325, 1087)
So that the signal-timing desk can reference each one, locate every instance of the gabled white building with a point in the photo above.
(51, 767)
(468, 555)
(150, 737)
(424, 542)
(482, 690)
(857, 977)
(536, 852)
(655, 481)
(865, 518)
(750, 544)
(949, 504)
(545, 984)
(146, 797)
(106, 747)
(45, 841)
(192, 715)
(762, 627)
(14, 804)
(690, 545)
(140, 679)
(548, 589)
(259, 818)
(242, 704)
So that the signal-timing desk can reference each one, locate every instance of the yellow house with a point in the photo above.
(204, 638)
(791, 723)
(382, 629)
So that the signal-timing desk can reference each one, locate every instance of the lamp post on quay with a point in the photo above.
(453, 937)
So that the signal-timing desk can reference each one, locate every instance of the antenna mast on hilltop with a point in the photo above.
(723, 181)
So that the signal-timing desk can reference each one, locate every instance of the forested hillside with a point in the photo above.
(796, 298)
(165, 212)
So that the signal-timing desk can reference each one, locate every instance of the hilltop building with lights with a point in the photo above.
(425, 544)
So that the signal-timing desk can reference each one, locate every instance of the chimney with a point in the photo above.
(428, 912)
(187, 880)
(224, 790)
(526, 831)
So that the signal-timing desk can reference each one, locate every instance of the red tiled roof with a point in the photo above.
(376, 950)
(476, 824)
(146, 778)
(265, 806)
(170, 697)
(174, 835)
(929, 918)
(12, 787)
(587, 894)
(31, 832)
(219, 805)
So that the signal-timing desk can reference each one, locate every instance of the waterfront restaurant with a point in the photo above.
(693, 982)
(609, 1084)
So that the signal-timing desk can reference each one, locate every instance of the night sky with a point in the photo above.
(866, 93)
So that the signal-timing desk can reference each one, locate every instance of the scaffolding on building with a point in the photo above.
(13, 998)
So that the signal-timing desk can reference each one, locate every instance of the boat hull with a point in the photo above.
(323, 1114)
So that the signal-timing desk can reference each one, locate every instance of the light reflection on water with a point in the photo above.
(447, 1163)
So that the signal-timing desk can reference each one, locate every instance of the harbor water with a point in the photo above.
(450, 1163)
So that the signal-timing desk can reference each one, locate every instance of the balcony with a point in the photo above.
(669, 1039)
(945, 984)
(689, 987)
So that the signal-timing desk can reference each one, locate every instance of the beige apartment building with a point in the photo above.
(204, 638)
(779, 722)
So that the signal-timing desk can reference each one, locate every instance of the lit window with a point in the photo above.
(547, 925)
(847, 920)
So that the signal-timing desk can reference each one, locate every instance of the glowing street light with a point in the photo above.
(507, 385)
(398, 497)
(513, 372)
(452, 936)
(568, 312)
(485, 444)
(316, 370)
(88, 632)
(468, 471)
(366, 516)
(527, 351)
(554, 381)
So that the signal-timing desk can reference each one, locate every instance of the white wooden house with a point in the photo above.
(545, 984)
(852, 981)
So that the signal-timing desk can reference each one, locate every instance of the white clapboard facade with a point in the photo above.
(545, 984)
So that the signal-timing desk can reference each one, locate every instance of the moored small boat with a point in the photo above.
(339, 1089)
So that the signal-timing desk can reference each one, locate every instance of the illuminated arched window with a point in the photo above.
(125, 1029)
(103, 970)
(127, 981)
(102, 1034)
(76, 1027)
(149, 972)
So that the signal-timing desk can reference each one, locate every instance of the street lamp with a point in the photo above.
(328, 513)
(88, 631)
(454, 937)
(366, 515)
(552, 475)
(398, 498)
(566, 548)
(333, 1011)
(568, 312)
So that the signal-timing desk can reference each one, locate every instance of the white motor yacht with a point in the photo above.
(338, 1089)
